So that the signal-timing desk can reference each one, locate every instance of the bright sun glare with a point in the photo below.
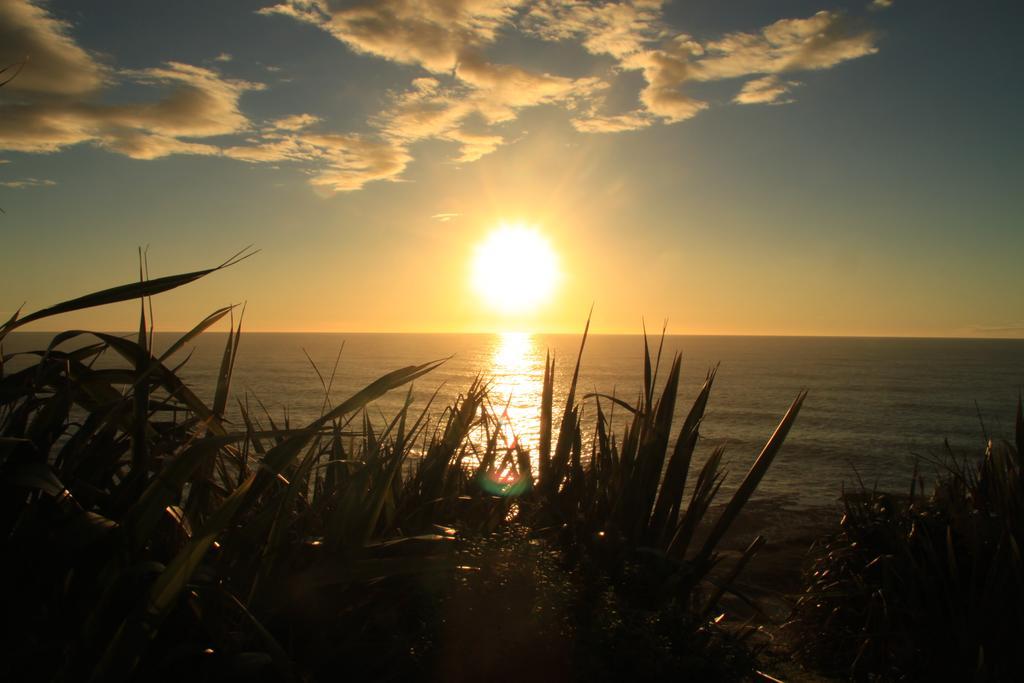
(515, 269)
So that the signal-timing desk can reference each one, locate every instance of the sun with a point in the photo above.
(515, 270)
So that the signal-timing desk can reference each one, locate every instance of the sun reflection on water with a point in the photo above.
(517, 375)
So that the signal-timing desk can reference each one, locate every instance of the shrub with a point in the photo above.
(147, 535)
(924, 588)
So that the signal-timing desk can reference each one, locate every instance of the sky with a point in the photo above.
(747, 167)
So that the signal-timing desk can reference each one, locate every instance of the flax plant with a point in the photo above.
(924, 586)
(156, 536)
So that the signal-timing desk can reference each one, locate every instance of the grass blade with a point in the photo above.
(750, 482)
(546, 399)
(195, 332)
(566, 431)
(666, 509)
(133, 290)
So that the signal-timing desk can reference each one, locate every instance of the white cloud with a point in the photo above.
(55, 64)
(665, 73)
(199, 104)
(354, 161)
(435, 35)
(634, 33)
(472, 146)
(765, 90)
(56, 109)
(817, 42)
(295, 122)
(342, 162)
(617, 123)
(446, 38)
(458, 94)
(460, 87)
(56, 100)
(613, 28)
(426, 110)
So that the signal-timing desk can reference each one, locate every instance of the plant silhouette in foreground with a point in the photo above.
(150, 534)
(924, 587)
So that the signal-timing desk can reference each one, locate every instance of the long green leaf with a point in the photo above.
(203, 325)
(546, 399)
(220, 400)
(753, 478)
(125, 650)
(730, 578)
(384, 485)
(666, 510)
(656, 444)
(143, 517)
(704, 492)
(133, 290)
(276, 544)
(170, 382)
(566, 435)
(378, 388)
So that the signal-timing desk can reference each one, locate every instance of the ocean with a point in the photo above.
(874, 404)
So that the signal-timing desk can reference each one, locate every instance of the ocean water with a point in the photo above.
(873, 403)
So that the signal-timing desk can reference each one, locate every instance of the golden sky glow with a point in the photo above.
(804, 170)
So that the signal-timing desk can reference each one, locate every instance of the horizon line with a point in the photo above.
(556, 333)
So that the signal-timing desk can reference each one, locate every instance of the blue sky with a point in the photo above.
(740, 168)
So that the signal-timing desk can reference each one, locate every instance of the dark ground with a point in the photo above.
(772, 580)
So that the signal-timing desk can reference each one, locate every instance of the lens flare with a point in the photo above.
(506, 485)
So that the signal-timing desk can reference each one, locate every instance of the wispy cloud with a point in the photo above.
(200, 104)
(765, 90)
(635, 35)
(435, 35)
(295, 122)
(444, 217)
(27, 182)
(58, 65)
(617, 29)
(817, 42)
(56, 100)
(457, 93)
(616, 123)
(342, 162)
(354, 160)
(447, 39)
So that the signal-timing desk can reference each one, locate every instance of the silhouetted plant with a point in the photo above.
(150, 535)
(623, 504)
(924, 587)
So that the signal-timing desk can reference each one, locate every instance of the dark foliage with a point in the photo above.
(148, 534)
(924, 588)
